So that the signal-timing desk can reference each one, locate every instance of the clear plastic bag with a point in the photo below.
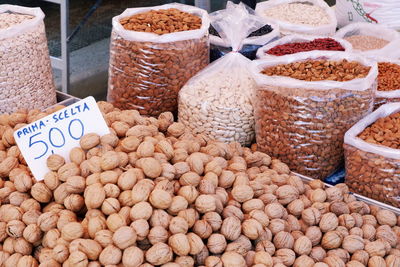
(217, 101)
(373, 170)
(384, 12)
(287, 28)
(303, 123)
(26, 78)
(391, 50)
(295, 38)
(147, 70)
(384, 97)
(219, 47)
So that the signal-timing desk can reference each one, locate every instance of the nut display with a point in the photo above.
(388, 82)
(372, 174)
(25, 72)
(303, 125)
(146, 73)
(206, 204)
(218, 103)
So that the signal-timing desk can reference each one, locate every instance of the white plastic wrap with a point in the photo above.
(373, 170)
(147, 70)
(290, 28)
(303, 122)
(391, 50)
(295, 38)
(217, 101)
(26, 79)
(384, 12)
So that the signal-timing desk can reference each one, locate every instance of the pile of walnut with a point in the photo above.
(150, 194)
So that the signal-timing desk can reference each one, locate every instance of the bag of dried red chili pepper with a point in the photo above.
(293, 44)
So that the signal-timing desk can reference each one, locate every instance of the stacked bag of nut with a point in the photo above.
(372, 151)
(26, 79)
(306, 17)
(154, 194)
(154, 52)
(305, 103)
(217, 102)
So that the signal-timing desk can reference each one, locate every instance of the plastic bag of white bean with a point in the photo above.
(26, 79)
(296, 38)
(217, 101)
(371, 40)
(384, 12)
(309, 17)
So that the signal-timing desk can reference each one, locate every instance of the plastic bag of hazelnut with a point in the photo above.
(305, 103)
(372, 152)
(154, 52)
(293, 44)
(26, 78)
(371, 40)
(388, 82)
(217, 101)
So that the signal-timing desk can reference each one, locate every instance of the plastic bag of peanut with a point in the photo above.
(154, 52)
(302, 121)
(217, 101)
(372, 152)
(388, 81)
(26, 79)
(371, 40)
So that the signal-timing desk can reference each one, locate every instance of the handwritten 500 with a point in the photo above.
(55, 138)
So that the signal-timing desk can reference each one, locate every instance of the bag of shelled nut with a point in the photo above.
(26, 78)
(304, 104)
(372, 152)
(154, 52)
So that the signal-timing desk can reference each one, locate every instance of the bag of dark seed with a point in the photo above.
(260, 34)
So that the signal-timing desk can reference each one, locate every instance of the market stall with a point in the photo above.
(197, 164)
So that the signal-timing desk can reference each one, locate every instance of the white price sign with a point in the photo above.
(58, 133)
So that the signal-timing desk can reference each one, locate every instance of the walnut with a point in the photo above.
(331, 240)
(302, 245)
(334, 261)
(232, 259)
(132, 257)
(286, 256)
(311, 216)
(317, 254)
(110, 255)
(303, 261)
(314, 234)
(216, 243)
(328, 222)
(124, 237)
(375, 248)
(283, 240)
(376, 261)
(159, 254)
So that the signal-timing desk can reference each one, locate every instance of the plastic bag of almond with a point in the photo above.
(371, 40)
(293, 44)
(306, 17)
(217, 101)
(388, 82)
(372, 151)
(26, 78)
(304, 104)
(154, 52)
